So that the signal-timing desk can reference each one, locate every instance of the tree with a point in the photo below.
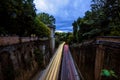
(46, 18)
(41, 30)
(17, 17)
(26, 18)
(102, 20)
(110, 15)
(75, 31)
(69, 38)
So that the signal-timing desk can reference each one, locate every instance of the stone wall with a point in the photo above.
(84, 56)
(94, 56)
(17, 57)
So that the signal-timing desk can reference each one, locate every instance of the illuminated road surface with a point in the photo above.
(68, 71)
(52, 71)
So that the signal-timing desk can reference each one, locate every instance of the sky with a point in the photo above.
(64, 11)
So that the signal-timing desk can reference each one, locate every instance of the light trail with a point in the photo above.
(52, 71)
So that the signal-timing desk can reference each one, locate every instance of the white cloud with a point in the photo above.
(60, 31)
(63, 10)
(66, 8)
(50, 6)
(44, 6)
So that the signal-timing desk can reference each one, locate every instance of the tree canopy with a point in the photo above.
(41, 29)
(46, 18)
(102, 20)
(18, 17)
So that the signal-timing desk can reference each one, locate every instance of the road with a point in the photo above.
(68, 71)
(52, 71)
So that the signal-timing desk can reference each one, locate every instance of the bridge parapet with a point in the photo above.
(14, 40)
(19, 56)
(115, 39)
(93, 56)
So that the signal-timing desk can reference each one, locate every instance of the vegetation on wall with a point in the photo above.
(38, 57)
(108, 74)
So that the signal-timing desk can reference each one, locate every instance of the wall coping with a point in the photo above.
(115, 39)
(14, 40)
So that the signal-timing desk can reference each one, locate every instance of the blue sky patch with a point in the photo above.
(65, 11)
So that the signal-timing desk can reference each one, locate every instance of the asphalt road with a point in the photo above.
(68, 71)
(52, 71)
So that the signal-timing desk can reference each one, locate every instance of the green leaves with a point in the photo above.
(46, 18)
(108, 73)
(92, 33)
(102, 20)
(108, 13)
(41, 29)
(39, 57)
(17, 17)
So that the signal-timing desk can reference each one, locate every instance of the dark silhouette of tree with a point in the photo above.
(17, 17)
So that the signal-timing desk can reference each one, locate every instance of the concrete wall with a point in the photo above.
(17, 57)
(95, 55)
(52, 38)
(84, 56)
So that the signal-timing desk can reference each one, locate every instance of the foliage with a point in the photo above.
(75, 30)
(17, 17)
(70, 38)
(41, 29)
(46, 18)
(60, 37)
(38, 57)
(108, 73)
(102, 20)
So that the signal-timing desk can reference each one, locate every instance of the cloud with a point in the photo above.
(44, 6)
(65, 11)
(60, 31)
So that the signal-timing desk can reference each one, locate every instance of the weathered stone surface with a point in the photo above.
(17, 57)
(95, 55)
(14, 40)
